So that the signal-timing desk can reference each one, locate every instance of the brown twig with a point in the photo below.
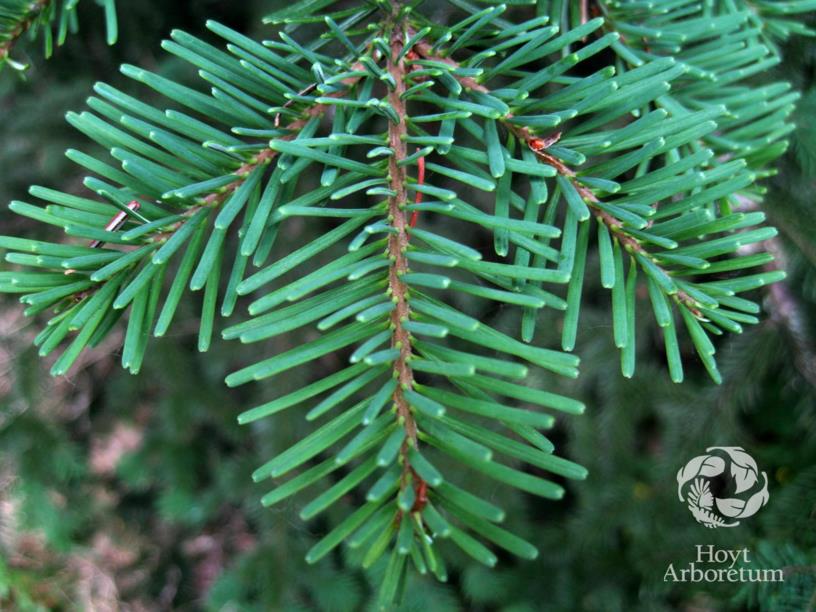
(397, 246)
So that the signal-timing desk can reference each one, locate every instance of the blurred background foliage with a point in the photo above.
(132, 493)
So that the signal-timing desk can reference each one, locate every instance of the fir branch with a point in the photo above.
(54, 20)
(216, 198)
(539, 146)
(373, 284)
(25, 21)
(265, 156)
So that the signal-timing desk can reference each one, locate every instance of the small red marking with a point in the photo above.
(418, 195)
(421, 496)
(537, 144)
(540, 144)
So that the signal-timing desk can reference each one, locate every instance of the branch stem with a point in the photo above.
(397, 246)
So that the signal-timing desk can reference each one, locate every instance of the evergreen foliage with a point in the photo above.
(51, 20)
(445, 169)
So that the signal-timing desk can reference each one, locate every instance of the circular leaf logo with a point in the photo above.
(722, 486)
